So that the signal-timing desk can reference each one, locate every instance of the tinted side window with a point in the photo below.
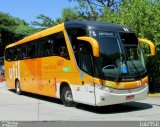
(46, 47)
(15, 54)
(73, 34)
(40, 47)
(60, 45)
(23, 51)
(85, 61)
(31, 50)
(19, 52)
(53, 45)
(9, 54)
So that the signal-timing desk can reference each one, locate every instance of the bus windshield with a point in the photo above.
(120, 55)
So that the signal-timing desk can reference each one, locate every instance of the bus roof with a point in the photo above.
(92, 25)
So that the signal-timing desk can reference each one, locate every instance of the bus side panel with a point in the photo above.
(36, 76)
(28, 75)
(84, 90)
(45, 71)
(10, 68)
(23, 71)
(51, 72)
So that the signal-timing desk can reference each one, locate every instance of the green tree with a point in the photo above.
(67, 14)
(23, 30)
(45, 21)
(11, 30)
(7, 22)
(92, 9)
(143, 16)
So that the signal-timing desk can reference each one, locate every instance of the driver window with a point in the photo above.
(73, 33)
(85, 58)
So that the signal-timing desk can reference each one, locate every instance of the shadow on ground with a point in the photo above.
(110, 109)
(118, 108)
(40, 97)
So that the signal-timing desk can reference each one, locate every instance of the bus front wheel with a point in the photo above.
(18, 89)
(67, 97)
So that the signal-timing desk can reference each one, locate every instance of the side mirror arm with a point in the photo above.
(93, 43)
(151, 45)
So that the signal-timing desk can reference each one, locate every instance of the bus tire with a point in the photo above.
(18, 88)
(67, 97)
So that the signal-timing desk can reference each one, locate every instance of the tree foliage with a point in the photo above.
(143, 16)
(7, 23)
(92, 9)
(11, 30)
(45, 21)
(67, 14)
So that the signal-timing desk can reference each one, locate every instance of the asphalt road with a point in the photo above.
(30, 107)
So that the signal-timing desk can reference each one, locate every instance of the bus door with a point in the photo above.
(85, 91)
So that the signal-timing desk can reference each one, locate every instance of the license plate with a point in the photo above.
(130, 97)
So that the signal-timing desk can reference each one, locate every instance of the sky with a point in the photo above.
(28, 9)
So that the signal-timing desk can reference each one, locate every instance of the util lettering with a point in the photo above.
(14, 71)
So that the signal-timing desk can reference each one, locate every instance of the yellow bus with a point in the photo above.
(79, 62)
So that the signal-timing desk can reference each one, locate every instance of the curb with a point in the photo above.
(154, 95)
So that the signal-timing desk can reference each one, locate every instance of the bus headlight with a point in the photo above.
(103, 88)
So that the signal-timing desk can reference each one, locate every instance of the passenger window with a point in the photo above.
(32, 50)
(60, 44)
(40, 47)
(49, 47)
(15, 54)
(24, 52)
(53, 45)
(9, 54)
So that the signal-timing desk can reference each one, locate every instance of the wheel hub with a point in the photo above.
(68, 96)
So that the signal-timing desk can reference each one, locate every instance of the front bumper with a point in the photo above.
(120, 96)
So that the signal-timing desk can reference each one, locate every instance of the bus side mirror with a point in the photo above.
(94, 44)
(151, 45)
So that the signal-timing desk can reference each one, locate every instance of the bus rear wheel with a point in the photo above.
(67, 97)
(18, 88)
